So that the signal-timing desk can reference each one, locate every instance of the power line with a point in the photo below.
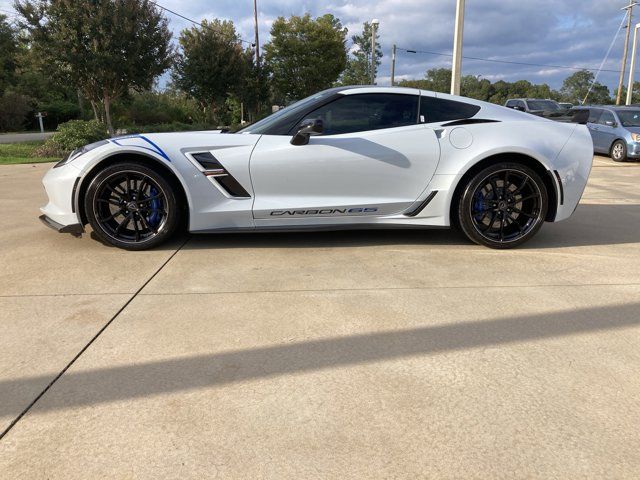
(408, 50)
(195, 22)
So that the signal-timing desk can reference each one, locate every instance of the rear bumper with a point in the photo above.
(573, 166)
(74, 229)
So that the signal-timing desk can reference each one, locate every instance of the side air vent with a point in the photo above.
(213, 168)
(207, 160)
(231, 185)
(422, 205)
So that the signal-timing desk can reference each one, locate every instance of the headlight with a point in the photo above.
(635, 137)
(79, 151)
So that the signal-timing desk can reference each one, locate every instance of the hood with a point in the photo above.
(172, 144)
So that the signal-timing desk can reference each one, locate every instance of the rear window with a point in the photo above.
(545, 105)
(441, 110)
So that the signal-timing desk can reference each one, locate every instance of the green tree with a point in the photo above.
(8, 53)
(358, 69)
(575, 87)
(476, 87)
(635, 95)
(439, 80)
(211, 65)
(255, 89)
(102, 47)
(305, 55)
(436, 80)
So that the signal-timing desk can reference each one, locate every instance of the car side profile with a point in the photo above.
(347, 157)
(615, 131)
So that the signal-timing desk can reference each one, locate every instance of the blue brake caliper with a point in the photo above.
(478, 205)
(156, 205)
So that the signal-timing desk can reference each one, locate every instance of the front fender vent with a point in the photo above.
(213, 168)
(207, 161)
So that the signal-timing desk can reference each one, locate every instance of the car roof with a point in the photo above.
(353, 89)
(549, 99)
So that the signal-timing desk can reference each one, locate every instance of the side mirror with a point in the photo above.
(308, 127)
(520, 109)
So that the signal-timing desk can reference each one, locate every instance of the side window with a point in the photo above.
(367, 111)
(594, 115)
(434, 109)
(521, 104)
(606, 117)
(579, 115)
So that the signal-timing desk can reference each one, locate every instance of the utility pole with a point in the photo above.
(393, 64)
(255, 23)
(374, 26)
(457, 49)
(633, 64)
(629, 9)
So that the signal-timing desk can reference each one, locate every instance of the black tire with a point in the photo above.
(618, 151)
(488, 215)
(130, 206)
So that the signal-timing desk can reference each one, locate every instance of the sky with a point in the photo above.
(573, 33)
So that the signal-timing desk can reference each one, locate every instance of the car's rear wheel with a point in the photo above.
(503, 206)
(619, 151)
(131, 206)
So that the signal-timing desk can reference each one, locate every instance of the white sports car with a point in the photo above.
(348, 157)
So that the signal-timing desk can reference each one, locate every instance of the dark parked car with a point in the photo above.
(537, 106)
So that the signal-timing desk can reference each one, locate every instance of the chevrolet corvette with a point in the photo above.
(344, 158)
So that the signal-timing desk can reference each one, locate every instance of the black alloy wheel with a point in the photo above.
(131, 206)
(503, 206)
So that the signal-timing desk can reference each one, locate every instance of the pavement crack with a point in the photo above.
(90, 342)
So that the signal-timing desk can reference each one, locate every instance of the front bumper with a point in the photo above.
(75, 229)
(59, 184)
(633, 149)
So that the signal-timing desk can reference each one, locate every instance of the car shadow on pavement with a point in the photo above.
(88, 387)
(591, 224)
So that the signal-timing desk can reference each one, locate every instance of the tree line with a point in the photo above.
(102, 59)
(575, 88)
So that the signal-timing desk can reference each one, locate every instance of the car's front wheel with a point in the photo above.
(619, 151)
(503, 206)
(131, 206)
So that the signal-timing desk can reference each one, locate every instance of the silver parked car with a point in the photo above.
(615, 131)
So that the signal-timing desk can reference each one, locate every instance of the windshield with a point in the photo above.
(292, 110)
(629, 118)
(547, 105)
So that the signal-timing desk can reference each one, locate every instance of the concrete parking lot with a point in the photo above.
(383, 354)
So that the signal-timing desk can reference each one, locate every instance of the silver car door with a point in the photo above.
(373, 159)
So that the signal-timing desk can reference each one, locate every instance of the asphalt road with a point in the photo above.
(398, 354)
(23, 137)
